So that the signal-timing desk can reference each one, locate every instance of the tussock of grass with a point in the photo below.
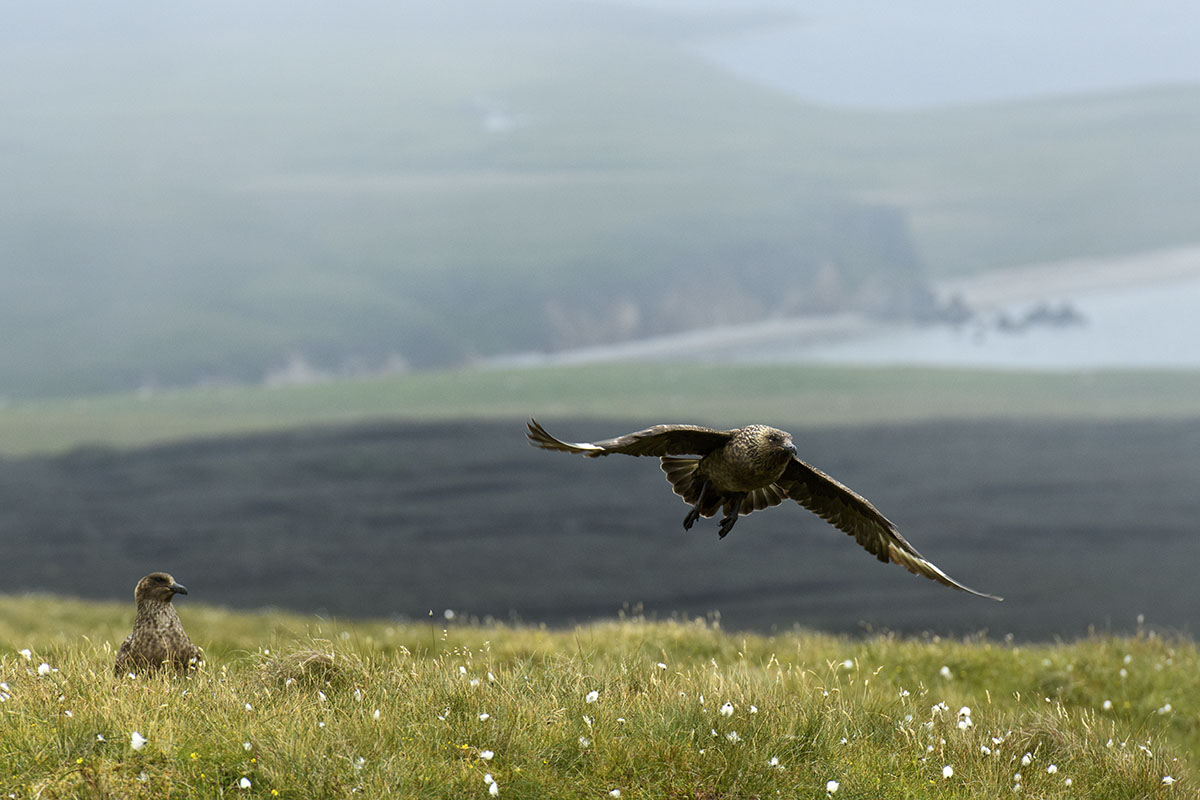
(653, 710)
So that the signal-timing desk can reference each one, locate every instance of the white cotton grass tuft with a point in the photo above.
(591, 696)
(44, 668)
(137, 741)
(487, 755)
(26, 654)
(727, 710)
(831, 787)
(947, 771)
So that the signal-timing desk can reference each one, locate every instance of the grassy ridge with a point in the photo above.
(304, 708)
(723, 395)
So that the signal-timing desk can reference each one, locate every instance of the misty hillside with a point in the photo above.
(208, 196)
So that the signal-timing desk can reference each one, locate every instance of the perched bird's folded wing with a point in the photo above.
(661, 440)
(849, 511)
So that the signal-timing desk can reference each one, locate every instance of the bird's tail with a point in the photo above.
(686, 481)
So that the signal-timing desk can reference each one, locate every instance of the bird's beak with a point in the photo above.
(178, 588)
(791, 448)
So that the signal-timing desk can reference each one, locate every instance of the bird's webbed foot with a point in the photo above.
(694, 514)
(729, 519)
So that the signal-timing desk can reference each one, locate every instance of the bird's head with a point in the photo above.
(158, 586)
(771, 444)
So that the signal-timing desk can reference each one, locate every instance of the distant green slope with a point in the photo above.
(189, 203)
(644, 393)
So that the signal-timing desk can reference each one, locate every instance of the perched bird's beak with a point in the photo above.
(791, 448)
(178, 588)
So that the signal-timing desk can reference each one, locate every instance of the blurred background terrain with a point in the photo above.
(280, 284)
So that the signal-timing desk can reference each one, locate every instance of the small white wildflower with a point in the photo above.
(68, 713)
(360, 762)
(848, 663)
(474, 681)
(588, 720)
(904, 693)
(774, 762)
(947, 771)
(376, 714)
(43, 668)
(247, 746)
(727, 710)
(1168, 780)
(26, 654)
(661, 665)
(487, 755)
(320, 724)
(321, 696)
(1124, 673)
(1109, 743)
(983, 748)
(358, 695)
(249, 707)
(462, 670)
(965, 711)
(491, 678)
(615, 793)
(484, 717)
(1166, 709)
(591, 696)
(494, 789)
(945, 673)
(488, 779)
(1051, 769)
(4, 687)
(1067, 782)
(620, 720)
(964, 723)
(448, 613)
(831, 787)
(701, 699)
(733, 737)
(244, 783)
(1128, 659)
(845, 740)
(100, 737)
(1026, 759)
(1016, 777)
(585, 742)
(1106, 705)
(753, 709)
(143, 777)
(137, 741)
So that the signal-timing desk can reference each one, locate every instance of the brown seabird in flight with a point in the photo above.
(748, 469)
(158, 637)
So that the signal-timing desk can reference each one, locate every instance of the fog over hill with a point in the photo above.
(224, 193)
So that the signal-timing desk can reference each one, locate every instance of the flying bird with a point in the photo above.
(748, 469)
(158, 637)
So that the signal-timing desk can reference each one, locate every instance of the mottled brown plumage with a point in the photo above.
(158, 638)
(748, 469)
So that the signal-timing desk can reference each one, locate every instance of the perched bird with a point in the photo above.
(158, 638)
(747, 469)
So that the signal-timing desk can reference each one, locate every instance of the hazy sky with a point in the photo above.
(876, 53)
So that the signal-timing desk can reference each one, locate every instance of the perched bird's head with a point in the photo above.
(769, 444)
(158, 586)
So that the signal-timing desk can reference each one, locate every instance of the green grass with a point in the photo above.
(720, 395)
(308, 708)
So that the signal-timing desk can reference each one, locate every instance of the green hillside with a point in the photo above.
(718, 395)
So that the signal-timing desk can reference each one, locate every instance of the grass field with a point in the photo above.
(297, 707)
(719, 395)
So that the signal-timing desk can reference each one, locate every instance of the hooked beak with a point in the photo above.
(791, 448)
(178, 588)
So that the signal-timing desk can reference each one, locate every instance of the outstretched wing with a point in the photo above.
(849, 511)
(661, 440)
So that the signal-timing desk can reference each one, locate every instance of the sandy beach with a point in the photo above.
(1064, 280)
